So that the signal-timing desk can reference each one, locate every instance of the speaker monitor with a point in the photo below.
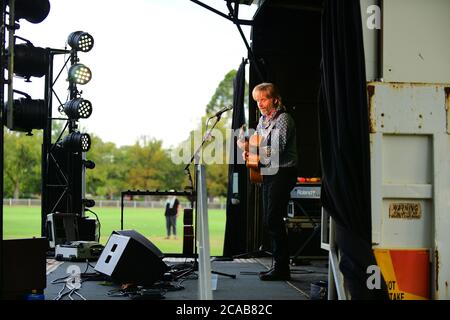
(129, 257)
(23, 265)
(188, 217)
(304, 241)
(188, 232)
(188, 240)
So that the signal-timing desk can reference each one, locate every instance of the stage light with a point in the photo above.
(30, 61)
(78, 108)
(77, 142)
(81, 41)
(89, 203)
(79, 74)
(34, 11)
(89, 164)
(25, 114)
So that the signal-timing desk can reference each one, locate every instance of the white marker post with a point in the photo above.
(204, 262)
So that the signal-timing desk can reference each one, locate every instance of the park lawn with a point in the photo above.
(24, 222)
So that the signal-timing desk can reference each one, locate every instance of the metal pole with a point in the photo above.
(334, 272)
(9, 81)
(121, 210)
(234, 13)
(2, 102)
(46, 142)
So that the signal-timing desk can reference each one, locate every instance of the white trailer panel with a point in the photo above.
(410, 160)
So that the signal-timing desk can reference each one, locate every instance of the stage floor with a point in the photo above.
(246, 285)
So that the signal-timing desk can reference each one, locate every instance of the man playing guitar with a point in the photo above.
(277, 161)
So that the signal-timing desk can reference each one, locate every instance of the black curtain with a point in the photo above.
(345, 149)
(235, 228)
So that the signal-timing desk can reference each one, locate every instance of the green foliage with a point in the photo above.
(144, 166)
(150, 167)
(22, 164)
(224, 94)
(106, 179)
(217, 173)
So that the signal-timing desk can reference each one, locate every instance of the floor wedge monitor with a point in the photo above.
(129, 257)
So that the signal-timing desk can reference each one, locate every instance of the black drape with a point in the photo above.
(345, 149)
(235, 229)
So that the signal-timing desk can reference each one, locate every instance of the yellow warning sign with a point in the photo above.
(406, 273)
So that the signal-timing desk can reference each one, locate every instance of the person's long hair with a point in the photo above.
(272, 92)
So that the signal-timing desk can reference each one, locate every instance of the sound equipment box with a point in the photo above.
(63, 228)
(24, 267)
(188, 232)
(304, 237)
(129, 257)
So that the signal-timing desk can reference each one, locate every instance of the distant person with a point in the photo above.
(171, 214)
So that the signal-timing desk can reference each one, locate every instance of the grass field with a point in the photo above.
(24, 222)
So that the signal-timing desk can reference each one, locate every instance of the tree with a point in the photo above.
(150, 166)
(22, 164)
(223, 96)
(107, 177)
(214, 155)
(217, 173)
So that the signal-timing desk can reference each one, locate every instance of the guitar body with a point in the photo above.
(252, 164)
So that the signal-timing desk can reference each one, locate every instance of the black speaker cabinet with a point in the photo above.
(188, 240)
(64, 182)
(304, 238)
(188, 217)
(24, 267)
(188, 232)
(129, 257)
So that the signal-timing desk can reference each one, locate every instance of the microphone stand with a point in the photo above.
(205, 138)
(196, 158)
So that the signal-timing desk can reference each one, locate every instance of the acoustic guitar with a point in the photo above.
(253, 147)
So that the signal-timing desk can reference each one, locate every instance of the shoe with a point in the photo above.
(276, 275)
(265, 272)
(167, 238)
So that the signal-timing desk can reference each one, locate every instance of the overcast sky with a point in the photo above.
(155, 63)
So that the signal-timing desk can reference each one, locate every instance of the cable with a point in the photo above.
(59, 295)
(98, 221)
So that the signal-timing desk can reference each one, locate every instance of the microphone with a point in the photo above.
(224, 109)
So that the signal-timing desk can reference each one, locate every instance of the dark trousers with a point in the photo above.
(276, 193)
(171, 224)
